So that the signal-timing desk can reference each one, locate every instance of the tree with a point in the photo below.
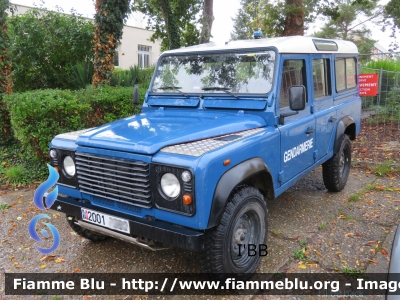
(109, 24)
(5, 53)
(294, 21)
(278, 18)
(45, 47)
(392, 11)
(171, 19)
(207, 21)
(346, 25)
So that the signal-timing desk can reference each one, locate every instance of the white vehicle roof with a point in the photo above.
(289, 44)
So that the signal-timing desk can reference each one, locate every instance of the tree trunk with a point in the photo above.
(170, 24)
(207, 21)
(294, 22)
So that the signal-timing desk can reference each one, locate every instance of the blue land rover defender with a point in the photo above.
(223, 128)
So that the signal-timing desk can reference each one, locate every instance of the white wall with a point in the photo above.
(132, 37)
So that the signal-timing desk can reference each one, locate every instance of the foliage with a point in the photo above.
(384, 169)
(81, 75)
(270, 17)
(46, 45)
(384, 64)
(170, 21)
(37, 116)
(345, 25)
(5, 125)
(5, 53)
(392, 18)
(134, 75)
(14, 161)
(109, 23)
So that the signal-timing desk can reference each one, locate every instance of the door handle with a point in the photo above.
(310, 130)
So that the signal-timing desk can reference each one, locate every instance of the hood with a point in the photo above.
(147, 133)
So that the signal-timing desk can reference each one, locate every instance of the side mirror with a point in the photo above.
(297, 97)
(297, 101)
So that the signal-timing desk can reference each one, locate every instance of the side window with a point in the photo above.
(321, 78)
(293, 74)
(345, 73)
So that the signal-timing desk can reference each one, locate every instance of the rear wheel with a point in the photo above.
(336, 170)
(243, 223)
(88, 234)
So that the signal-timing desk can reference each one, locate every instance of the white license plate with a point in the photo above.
(108, 221)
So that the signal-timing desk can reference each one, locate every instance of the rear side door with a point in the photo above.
(298, 131)
(323, 105)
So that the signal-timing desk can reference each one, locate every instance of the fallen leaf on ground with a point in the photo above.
(59, 259)
(312, 264)
(12, 257)
(76, 270)
(318, 253)
(373, 261)
(48, 258)
(302, 266)
(384, 252)
(43, 266)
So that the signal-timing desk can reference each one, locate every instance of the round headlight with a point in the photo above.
(69, 166)
(170, 185)
(186, 176)
(53, 153)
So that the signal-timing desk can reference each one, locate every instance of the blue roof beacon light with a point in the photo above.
(258, 34)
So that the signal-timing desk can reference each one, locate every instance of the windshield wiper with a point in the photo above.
(171, 87)
(219, 88)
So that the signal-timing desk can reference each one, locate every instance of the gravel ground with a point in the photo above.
(333, 232)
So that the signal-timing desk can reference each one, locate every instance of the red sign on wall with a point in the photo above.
(368, 84)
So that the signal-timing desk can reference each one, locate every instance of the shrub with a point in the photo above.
(134, 75)
(46, 45)
(5, 125)
(37, 116)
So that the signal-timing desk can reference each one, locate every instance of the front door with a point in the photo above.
(298, 131)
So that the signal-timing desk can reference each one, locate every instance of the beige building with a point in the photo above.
(135, 47)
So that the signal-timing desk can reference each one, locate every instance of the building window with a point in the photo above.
(116, 57)
(345, 74)
(144, 56)
(322, 86)
(293, 74)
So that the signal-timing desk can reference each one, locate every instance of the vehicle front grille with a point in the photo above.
(113, 178)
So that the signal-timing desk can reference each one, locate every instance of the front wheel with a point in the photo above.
(243, 225)
(336, 170)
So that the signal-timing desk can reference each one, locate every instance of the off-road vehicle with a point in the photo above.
(223, 128)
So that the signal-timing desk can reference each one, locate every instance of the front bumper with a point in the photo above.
(162, 232)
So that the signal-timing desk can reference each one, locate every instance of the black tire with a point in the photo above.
(88, 234)
(245, 221)
(336, 170)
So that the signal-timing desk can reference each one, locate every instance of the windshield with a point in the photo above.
(249, 72)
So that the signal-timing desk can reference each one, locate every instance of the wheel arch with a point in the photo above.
(252, 172)
(346, 125)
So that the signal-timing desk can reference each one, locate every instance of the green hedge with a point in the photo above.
(5, 125)
(37, 116)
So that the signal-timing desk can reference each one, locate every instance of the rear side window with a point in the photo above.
(345, 73)
(321, 78)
